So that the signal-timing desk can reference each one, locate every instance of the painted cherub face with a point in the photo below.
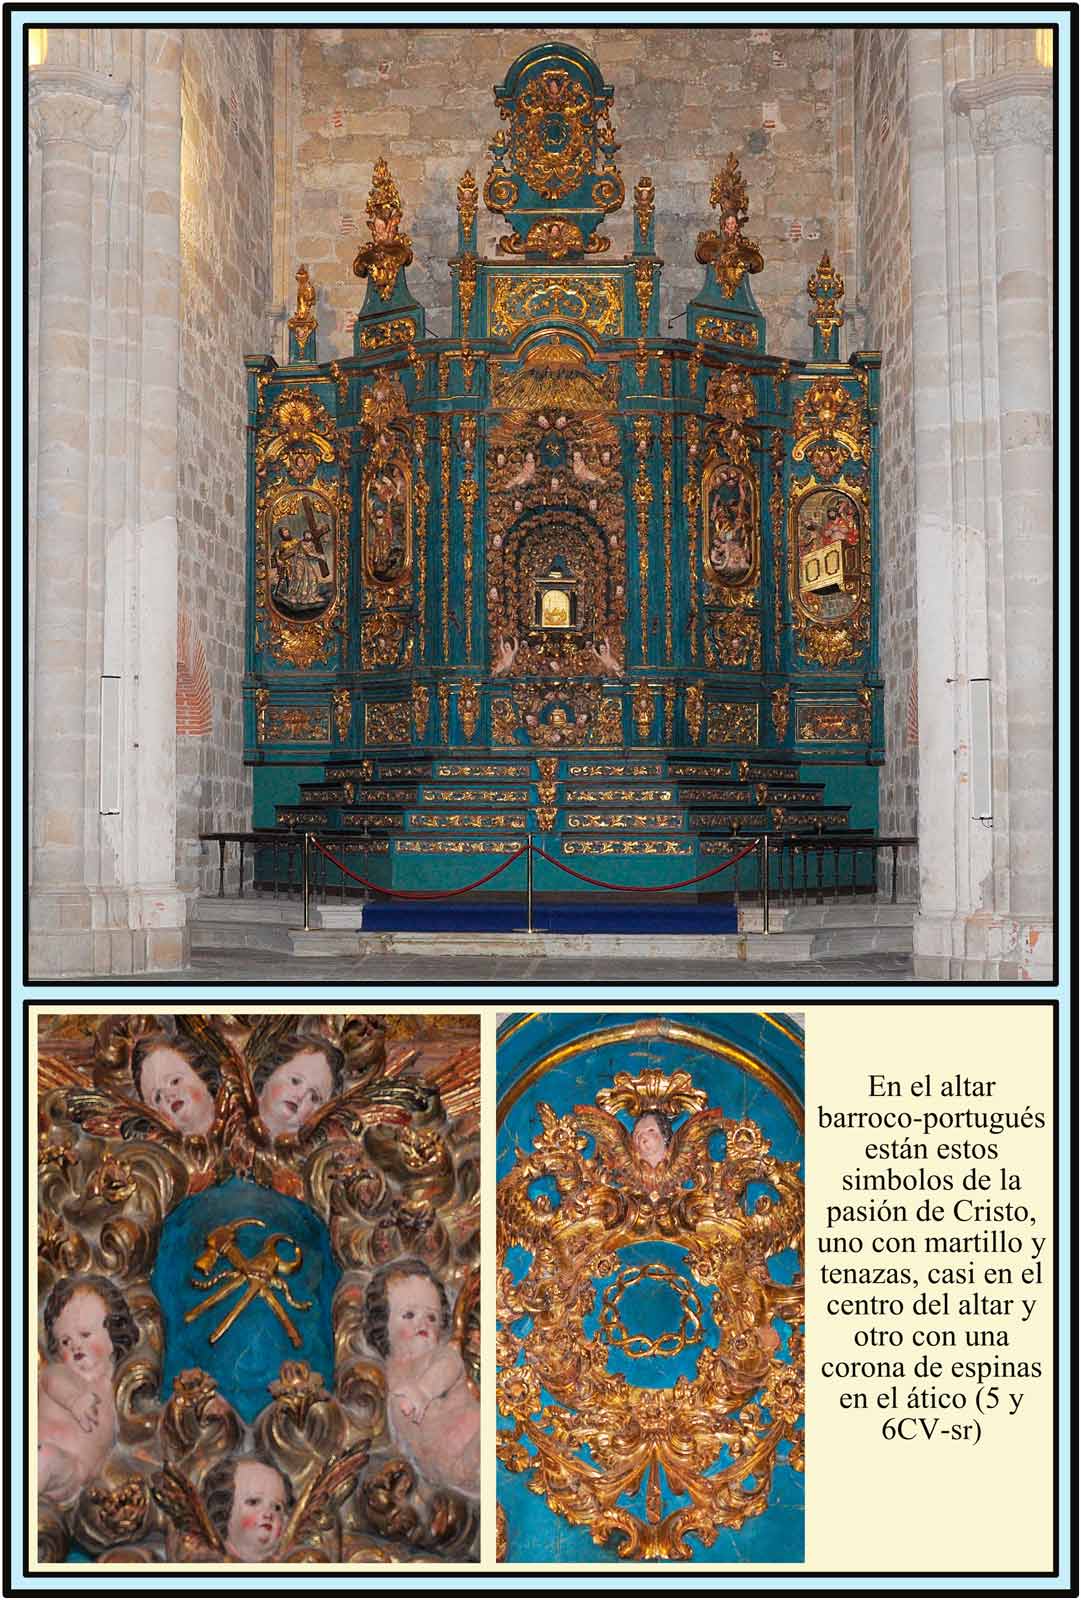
(258, 1514)
(83, 1341)
(294, 1091)
(172, 1087)
(415, 1316)
(648, 1141)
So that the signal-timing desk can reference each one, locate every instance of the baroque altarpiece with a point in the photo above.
(237, 1218)
(649, 1240)
(560, 572)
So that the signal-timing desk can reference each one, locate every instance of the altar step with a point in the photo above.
(801, 933)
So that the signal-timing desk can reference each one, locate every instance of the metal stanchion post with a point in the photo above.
(529, 883)
(764, 872)
(305, 880)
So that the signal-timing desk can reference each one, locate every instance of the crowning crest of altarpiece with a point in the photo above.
(560, 545)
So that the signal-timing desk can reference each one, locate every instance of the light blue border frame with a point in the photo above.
(517, 996)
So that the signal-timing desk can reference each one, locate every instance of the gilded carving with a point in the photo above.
(666, 487)
(643, 707)
(730, 395)
(693, 708)
(298, 724)
(230, 1243)
(830, 570)
(730, 254)
(444, 527)
(732, 722)
(779, 711)
(644, 199)
(520, 302)
(389, 251)
(385, 641)
(730, 522)
(386, 722)
(727, 331)
(443, 696)
(596, 1440)
(668, 696)
(467, 289)
(468, 707)
(387, 492)
(827, 289)
(422, 495)
(467, 197)
(262, 702)
(833, 722)
(343, 713)
(555, 549)
(643, 289)
(302, 323)
(467, 493)
(826, 410)
(420, 712)
(733, 639)
(399, 330)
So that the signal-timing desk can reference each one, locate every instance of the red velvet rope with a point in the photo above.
(417, 894)
(598, 883)
(632, 888)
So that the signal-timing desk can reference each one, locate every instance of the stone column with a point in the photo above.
(1011, 121)
(103, 897)
(76, 117)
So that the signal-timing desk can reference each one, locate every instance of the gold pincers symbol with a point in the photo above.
(258, 1276)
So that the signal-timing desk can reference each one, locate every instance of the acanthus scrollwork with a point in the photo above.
(590, 1439)
(733, 639)
(732, 722)
(577, 714)
(151, 1201)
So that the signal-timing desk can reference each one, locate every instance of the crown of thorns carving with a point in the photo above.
(639, 1345)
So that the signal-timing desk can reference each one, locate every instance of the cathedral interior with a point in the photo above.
(599, 476)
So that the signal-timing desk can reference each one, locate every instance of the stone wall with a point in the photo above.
(226, 228)
(684, 97)
(880, 97)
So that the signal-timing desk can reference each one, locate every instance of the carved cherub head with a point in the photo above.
(247, 1499)
(79, 1314)
(177, 1080)
(301, 1073)
(651, 1137)
(403, 1293)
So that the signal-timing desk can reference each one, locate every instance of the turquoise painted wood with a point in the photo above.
(698, 514)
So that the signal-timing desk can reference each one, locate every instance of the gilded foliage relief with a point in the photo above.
(258, 1289)
(650, 1289)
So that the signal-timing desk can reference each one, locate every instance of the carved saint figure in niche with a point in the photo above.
(300, 561)
(88, 1328)
(731, 524)
(291, 1083)
(828, 541)
(247, 1500)
(431, 1410)
(386, 520)
(177, 1080)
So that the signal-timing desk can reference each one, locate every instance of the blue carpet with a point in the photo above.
(415, 917)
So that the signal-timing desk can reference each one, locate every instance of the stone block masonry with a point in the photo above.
(226, 184)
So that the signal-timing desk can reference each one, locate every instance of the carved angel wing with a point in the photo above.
(57, 1071)
(457, 1082)
(114, 1116)
(183, 1505)
(690, 1141)
(612, 1138)
(380, 1101)
(312, 1515)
